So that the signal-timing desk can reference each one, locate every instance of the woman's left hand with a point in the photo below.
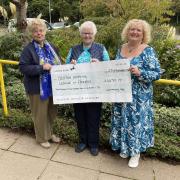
(94, 60)
(134, 70)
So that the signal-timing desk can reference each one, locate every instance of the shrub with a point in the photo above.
(16, 96)
(169, 57)
(64, 39)
(167, 128)
(11, 46)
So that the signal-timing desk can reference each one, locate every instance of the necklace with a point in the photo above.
(130, 49)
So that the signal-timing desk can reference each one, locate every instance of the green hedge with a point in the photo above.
(167, 128)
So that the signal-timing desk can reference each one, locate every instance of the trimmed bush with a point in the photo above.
(167, 128)
(11, 46)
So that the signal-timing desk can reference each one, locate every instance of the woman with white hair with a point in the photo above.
(87, 115)
(36, 61)
(132, 123)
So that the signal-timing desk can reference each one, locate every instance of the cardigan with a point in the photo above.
(31, 69)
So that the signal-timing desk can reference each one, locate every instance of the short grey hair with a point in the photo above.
(32, 25)
(90, 25)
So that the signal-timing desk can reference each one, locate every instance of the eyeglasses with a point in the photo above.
(89, 34)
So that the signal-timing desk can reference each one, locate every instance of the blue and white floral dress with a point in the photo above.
(132, 123)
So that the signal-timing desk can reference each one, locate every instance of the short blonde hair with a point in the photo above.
(145, 26)
(32, 25)
(90, 25)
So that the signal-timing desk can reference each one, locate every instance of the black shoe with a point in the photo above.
(80, 147)
(94, 151)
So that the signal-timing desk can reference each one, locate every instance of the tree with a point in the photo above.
(59, 9)
(176, 8)
(153, 11)
(21, 10)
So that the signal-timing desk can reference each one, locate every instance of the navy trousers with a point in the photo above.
(88, 121)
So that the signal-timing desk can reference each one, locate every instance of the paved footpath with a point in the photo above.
(21, 158)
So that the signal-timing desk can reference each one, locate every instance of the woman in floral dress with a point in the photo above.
(132, 123)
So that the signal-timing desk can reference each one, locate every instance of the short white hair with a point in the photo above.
(36, 22)
(90, 25)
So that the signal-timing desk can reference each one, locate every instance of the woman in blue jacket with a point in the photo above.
(36, 61)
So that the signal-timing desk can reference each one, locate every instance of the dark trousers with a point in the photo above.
(88, 120)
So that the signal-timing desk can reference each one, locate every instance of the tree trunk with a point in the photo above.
(21, 10)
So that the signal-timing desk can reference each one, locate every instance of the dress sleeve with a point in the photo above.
(105, 55)
(150, 69)
(68, 59)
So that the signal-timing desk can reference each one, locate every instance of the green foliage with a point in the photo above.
(95, 8)
(17, 119)
(169, 56)
(59, 9)
(167, 128)
(10, 46)
(150, 10)
(165, 147)
(35, 7)
(159, 33)
(176, 6)
(167, 120)
(16, 96)
(64, 39)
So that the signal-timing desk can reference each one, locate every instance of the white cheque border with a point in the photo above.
(108, 81)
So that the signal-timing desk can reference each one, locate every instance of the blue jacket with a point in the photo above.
(30, 67)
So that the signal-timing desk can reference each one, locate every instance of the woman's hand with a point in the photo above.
(134, 70)
(73, 61)
(47, 67)
(94, 60)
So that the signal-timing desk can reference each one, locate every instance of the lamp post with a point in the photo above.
(50, 11)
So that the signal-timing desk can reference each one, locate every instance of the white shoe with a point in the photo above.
(124, 156)
(45, 144)
(55, 139)
(134, 161)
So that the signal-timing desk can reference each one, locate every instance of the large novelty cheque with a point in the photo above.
(107, 81)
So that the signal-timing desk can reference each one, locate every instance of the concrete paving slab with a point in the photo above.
(27, 145)
(59, 171)
(164, 171)
(15, 166)
(115, 165)
(110, 177)
(8, 137)
(67, 155)
(1, 152)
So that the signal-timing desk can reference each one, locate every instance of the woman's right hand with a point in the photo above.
(47, 67)
(73, 61)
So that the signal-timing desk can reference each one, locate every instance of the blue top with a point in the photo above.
(85, 56)
(132, 123)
